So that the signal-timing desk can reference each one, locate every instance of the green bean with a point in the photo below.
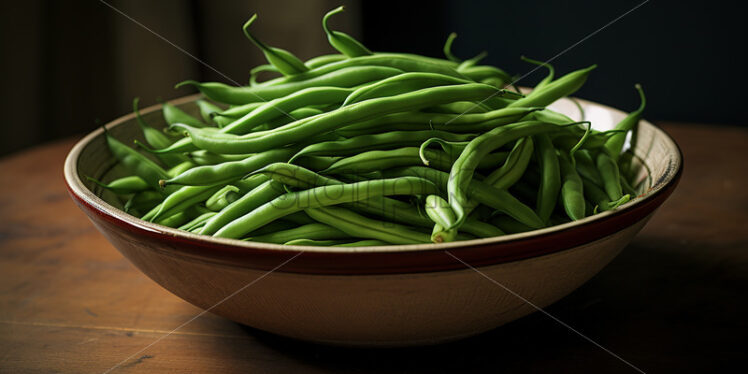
(309, 127)
(156, 138)
(564, 86)
(480, 229)
(264, 193)
(313, 231)
(280, 106)
(222, 198)
(179, 200)
(548, 78)
(550, 182)
(368, 142)
(448, 48)
(203, 157)
(135, 162)
(362, 227)
(208, 110)
(124, 185)
(346, 77)
(259, 69)
(610, 175)
(614, 145)
(445, 122)
(587, 168)
(227, 171)
(572, 190)
(377, 160)
(175, 220)
(469, 63)
(460, 107)
(143, 200)
(343, 42)
(239, 111)
(510, 225)
(515, 165)
(173, 115)
(299, 177)
(441, 213)
(180, 168)
(198, 221)
(322, 196)
(478, 73)
(324, 60)
(482, 193)
(400, 84)
(283, 60)
(317, 162)
(299, 219)
(463, 169)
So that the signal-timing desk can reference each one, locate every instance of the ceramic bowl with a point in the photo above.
(375, 296)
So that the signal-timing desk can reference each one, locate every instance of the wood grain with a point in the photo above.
(674, 301)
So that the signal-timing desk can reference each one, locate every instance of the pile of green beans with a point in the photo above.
(359, 148)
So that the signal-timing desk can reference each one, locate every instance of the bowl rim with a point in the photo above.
(411, 258)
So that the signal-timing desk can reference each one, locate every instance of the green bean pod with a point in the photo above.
(259, 69)
(550, 182)
(264, 193)
(561, 87)
(399, 84)
(208, 110)
(548, 78)
(222, 198)
(441, 121)
(173, 115)
(281, 106)
(516, 164)
(312, 231)
(135, 162)
(180, 200)
(463, 169)
(323, 60)
(203, 157)
(441, 213)
(479, 73)
(156, 138)
(377, 160)
(614, 144)
(143, 201)
(610, 175)
(306, 128)
(343, 42)
(198, 221)
(215, 174)
(369, 142)
(323, 196)
(283, 60)
(124, 185)
(495, 198)
(359, 226)
(346, 77)
(572, 190)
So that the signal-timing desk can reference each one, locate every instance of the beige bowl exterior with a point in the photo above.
(374, 308)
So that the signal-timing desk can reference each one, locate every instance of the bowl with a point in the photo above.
(375, 296)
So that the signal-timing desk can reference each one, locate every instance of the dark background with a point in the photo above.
(68, 67)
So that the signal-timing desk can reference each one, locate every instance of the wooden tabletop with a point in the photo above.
(673, 301)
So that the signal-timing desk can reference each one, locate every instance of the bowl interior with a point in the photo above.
(655, 163)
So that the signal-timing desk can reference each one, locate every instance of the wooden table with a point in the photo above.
(673, 301)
